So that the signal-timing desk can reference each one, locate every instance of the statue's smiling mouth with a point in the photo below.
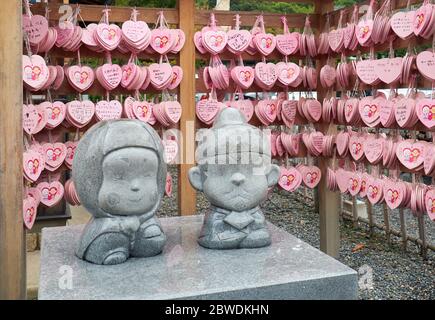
(135, 199)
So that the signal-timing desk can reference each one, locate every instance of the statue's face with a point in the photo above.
(235, 187)
(129, 182)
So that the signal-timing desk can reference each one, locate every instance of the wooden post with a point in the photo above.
(329, 202)
(186, 194)
(12, 235)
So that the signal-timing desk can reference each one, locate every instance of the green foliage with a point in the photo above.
(270, 6)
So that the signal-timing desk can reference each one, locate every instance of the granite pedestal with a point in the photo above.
(288, 269)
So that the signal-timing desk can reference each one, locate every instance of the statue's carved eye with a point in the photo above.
(118, 175)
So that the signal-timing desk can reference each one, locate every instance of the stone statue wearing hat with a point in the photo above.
(235, 172)
(119, 174)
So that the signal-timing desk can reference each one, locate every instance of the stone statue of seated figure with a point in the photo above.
(119, 173)
(234, 171)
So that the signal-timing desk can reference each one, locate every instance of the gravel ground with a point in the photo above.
(396, 274)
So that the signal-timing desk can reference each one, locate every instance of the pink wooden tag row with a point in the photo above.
(394, 112)
(395, 193)
(134, 36)
(291, 177)
(37, 76)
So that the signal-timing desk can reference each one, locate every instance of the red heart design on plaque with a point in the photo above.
(244, 76)
(56, 113)
(51, 193)
(393, 193)
(354, 183)
(265, 43)
(81, 78)
(33, 164)
(287, 72)
(356, 147)
(364, 31)
(109, 36)
(410, 153)
(374, 190)
(35, 72)
(311, 176)
(142, 110)
(290, 179)
(162, 40)
(55, 154)
(71, 147)
(215, 41)
(30, 208)
(430, 203)
(425, 109)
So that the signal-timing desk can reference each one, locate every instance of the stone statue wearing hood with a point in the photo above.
(235, 172)
(119, 173)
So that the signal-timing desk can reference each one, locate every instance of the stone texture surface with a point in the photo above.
(119, 173)
(288, 269)
(234, 171)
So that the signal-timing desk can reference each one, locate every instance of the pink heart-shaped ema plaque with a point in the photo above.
(311, 176)
(168, 185)
(410, 153)
(214, 41)
(80, 77)
(342, 178)
(51, 193)
(426, 64)
(354, 183)
(373, 149)
(374, 190)
(33, 164)
(238, 40)
(336, 39)
(364, 31)
(314, 109)
(80, 112)
(135, 31)
(366, 71)
(288, 43)
(342, 142)
(389, 70)
(71, 147)
(30, 207)
(245, 106)
(111, 76)
(356, 147)
(36, 28)
(290, 179)
(170, 150)
(108, 110)
(173, 111)
(429, 200)
(394, 192)
(162, 40)
(177, 76)
(425, 109)
(402, 23)
(404, 110)
(422, 17)
(287, 72)
(206, 110)
(56, 113)
(369, 111)
(266, 74)
(109, 36)
(55, 154)
(30, 118)
(243, 76)
(142, 110)
(160, 74)
(265, 43)
(35, 72)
